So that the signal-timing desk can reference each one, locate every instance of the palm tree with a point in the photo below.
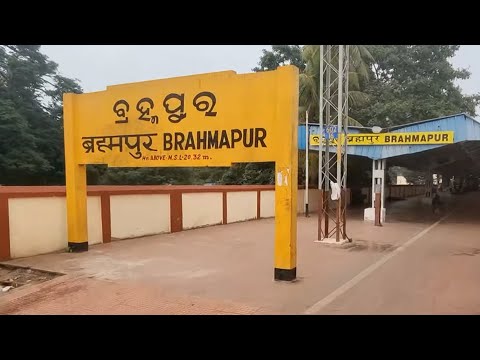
(359, 57)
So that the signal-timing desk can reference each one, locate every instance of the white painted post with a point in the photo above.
(378, 179)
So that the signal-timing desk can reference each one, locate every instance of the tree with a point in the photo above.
(279, 56)
(234, 175)
(412, 83)
(359, 58)
(307, 60)
(263, 173)
(144, 176)
(208, 175)
(31, 134)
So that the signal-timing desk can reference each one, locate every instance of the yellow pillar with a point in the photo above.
(286, 181)
(76, 183)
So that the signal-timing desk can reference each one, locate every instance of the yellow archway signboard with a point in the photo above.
(213, 119)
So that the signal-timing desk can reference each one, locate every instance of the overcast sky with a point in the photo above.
(97, 66)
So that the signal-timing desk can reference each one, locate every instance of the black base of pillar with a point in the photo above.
(77, 247)
(285, 274)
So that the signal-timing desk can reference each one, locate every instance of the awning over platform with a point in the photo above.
(463, 153)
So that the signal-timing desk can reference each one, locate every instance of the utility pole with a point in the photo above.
(332, 159)
(306, 163)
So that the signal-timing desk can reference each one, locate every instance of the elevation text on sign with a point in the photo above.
(211, 119)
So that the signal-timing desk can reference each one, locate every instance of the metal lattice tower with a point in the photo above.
(333, 105)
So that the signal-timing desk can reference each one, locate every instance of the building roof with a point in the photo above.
(465, 128)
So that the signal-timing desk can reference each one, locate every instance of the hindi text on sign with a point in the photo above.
(401, 138)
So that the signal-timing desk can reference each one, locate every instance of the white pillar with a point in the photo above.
(378, 179)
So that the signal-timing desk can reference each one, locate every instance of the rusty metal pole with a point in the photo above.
(321, 187)
(307, 145)
(320, 214)
(339, 142)
(333, 126)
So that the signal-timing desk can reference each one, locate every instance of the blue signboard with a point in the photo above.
(330, 132)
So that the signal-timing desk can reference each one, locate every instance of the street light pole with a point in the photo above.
(306, 163)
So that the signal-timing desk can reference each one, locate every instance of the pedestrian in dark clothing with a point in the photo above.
(436, 203)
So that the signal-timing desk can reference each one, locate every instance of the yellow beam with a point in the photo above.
(76, 182)
(286, 169)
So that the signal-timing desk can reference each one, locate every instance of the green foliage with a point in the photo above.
(412, 83)
(263, 173)
(249, 173)
(312, 167)
(359, 58)
(146, 176)
(279, 56)
(31, 134)
(388, 85)
(210, 175)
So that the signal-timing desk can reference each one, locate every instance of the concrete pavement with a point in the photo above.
(229, 269)
(437, 274)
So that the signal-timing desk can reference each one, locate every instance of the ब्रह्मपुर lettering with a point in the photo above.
(174, 105)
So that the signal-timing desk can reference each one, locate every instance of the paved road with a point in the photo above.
(417, 267)
(436, 273)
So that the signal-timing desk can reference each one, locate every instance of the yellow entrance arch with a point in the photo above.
(213, 119)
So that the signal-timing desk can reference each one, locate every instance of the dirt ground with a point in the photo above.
(13, 277)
